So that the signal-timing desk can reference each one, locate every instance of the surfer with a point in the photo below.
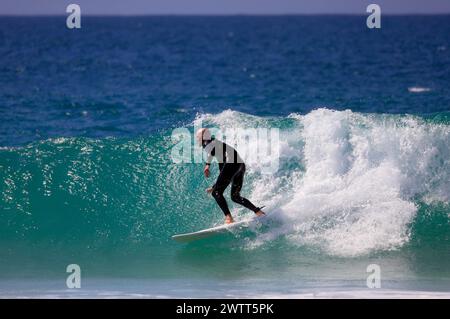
(232, 170)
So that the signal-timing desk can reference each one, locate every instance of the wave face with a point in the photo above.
(348, 184)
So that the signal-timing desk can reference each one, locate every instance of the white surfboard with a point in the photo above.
(184, 238)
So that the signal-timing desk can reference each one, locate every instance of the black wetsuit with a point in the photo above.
(232, 170)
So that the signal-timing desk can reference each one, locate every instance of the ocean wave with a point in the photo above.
(358, 178)
(348, 184)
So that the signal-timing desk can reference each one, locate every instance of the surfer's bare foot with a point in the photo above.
(260, 213)
(229, 219)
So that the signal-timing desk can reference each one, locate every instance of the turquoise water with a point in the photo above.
(87, 175)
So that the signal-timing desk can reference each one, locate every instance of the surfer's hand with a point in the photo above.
(209, 190)
(206, 171)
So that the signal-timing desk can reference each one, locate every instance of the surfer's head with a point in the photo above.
(203, 135)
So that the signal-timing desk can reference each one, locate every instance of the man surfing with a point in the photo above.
(232, 170)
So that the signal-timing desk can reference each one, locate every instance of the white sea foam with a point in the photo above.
(348, 181)
(123, 288)
(417, 89)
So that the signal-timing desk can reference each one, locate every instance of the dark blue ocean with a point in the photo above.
(131, 76)
(85, 140)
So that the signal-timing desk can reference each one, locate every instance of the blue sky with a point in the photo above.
(133, 7)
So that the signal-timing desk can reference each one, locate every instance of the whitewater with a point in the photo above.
(356, 179)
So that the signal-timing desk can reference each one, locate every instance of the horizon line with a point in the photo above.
(215, 14)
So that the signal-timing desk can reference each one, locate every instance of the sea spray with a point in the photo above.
(349, 182)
